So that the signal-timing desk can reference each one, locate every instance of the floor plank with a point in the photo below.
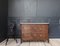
(33, 43)
(55, 42)
(11, 42)
(41, 44)
(47, 44)
(19, 42)
(25, 44)
(52, 42)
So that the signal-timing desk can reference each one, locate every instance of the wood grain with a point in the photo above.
(34, 32)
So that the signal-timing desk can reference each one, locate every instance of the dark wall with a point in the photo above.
(34, 8)
(3, 19)
(37, 11)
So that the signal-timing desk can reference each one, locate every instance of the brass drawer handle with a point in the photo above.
(40, 35)
(40, 28)
(34, 34)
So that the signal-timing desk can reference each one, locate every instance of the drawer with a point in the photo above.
(34, 36)
(37, 36)
(39, 28)
(45, 35)
(34, 28)
(27, 36)
(26, 29)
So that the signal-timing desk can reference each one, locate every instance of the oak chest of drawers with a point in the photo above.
(34, 32)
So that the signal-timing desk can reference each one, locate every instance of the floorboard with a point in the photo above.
(33, 43)
(25, 44)
(47, 44)
(55, 42)
(12, 42)
(41, 44)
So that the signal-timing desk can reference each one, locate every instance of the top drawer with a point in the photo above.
(34, 28)
(26, 28)
(39, 28)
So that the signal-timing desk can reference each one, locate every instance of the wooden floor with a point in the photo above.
(12, 42)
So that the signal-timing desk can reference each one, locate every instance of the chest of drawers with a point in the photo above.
(34, 32)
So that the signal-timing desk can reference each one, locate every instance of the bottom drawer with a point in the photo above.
(34, 36)
(27, 36)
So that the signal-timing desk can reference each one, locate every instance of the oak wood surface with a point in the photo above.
(34, 32)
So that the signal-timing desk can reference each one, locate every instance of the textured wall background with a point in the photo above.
(36, 11)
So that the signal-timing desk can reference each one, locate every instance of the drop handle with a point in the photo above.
(34, 34)
(40, 35)
(40, 28)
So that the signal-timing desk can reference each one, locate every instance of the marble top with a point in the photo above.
(34, 23)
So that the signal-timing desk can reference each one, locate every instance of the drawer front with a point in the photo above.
(26, 28)
(27, 36)
(34, 36)
(39, 28)
(45, 36)
(39, 36)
